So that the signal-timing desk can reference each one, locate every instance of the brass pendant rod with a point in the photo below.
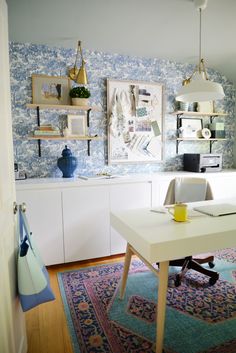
(77, 54)
(80, 48)
(200, 40)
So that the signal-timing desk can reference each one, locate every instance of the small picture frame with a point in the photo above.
(52, 90)
(77, 125)
(191, 127)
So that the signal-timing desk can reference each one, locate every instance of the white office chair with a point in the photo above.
(191, 190)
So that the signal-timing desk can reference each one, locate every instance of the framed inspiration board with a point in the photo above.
(135, 121)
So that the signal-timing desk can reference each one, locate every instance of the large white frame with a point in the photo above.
(135, 121)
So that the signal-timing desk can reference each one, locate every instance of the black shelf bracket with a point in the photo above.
(211, 143)
(89, 147)
(88, 116)
(177, 146)
(38, 123)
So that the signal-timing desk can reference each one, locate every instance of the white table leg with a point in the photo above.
(128, 256)
(161, 305)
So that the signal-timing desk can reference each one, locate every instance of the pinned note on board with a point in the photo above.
(155, 128)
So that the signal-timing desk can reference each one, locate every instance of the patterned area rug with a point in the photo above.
(199, 318)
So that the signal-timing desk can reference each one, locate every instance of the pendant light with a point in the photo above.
(79, 75)
(198, 87)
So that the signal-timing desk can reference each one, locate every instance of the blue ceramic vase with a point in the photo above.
(67, 163)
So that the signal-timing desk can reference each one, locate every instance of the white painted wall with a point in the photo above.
(154, 28)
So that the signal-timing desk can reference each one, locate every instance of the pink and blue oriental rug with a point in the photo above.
(199, 318)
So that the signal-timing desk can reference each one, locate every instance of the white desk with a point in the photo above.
(156, 237)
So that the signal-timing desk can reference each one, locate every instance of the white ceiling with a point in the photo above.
(148, 28)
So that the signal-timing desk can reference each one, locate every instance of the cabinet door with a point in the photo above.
(124, 197)
(44, 214)
(86, 223)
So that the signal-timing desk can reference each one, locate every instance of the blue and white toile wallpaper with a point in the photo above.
(28, 59)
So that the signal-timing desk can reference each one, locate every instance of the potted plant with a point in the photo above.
(79, 95)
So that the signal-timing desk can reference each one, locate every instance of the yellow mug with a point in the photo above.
(180, 212)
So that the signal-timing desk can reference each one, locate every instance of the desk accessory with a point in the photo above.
(180, 212)
(217, 210)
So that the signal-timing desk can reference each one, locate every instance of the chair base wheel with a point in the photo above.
(214, 279)
(177, 281)
(211, 264)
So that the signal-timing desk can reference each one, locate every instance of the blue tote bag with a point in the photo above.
(33, 279)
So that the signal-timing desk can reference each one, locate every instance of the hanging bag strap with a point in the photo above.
(25, 233)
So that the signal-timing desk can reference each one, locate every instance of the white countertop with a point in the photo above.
(45, 183)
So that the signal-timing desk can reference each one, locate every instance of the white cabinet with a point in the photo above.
(86, 222)
(124, 197)
(72, 222)
(44, 214)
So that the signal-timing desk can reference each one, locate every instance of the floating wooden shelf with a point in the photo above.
(211, 140)
(182, 112)
(199, 139)
(65, 107)
(83, 138)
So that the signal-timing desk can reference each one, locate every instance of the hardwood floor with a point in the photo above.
(46, 324)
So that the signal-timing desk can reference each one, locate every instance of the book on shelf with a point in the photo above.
(45, 127)
(47, 133)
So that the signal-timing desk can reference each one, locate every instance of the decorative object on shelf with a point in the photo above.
(183, 106)
(190, 127)
(205, 107)
(66, 132)
(80, 95)
(135, 121)
(76, 125)
(62, 124)
(206, 133)
(79, 75)
(198, 87)
(217, 130)
(192, 107)
(50, 89)
(67, 163)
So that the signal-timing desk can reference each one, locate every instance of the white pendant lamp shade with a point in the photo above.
(200, 90)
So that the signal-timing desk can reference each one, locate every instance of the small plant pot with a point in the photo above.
(80, 101)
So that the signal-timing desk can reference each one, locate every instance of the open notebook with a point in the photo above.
(217, 210)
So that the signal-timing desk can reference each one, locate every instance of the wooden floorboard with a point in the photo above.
(46, 324)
